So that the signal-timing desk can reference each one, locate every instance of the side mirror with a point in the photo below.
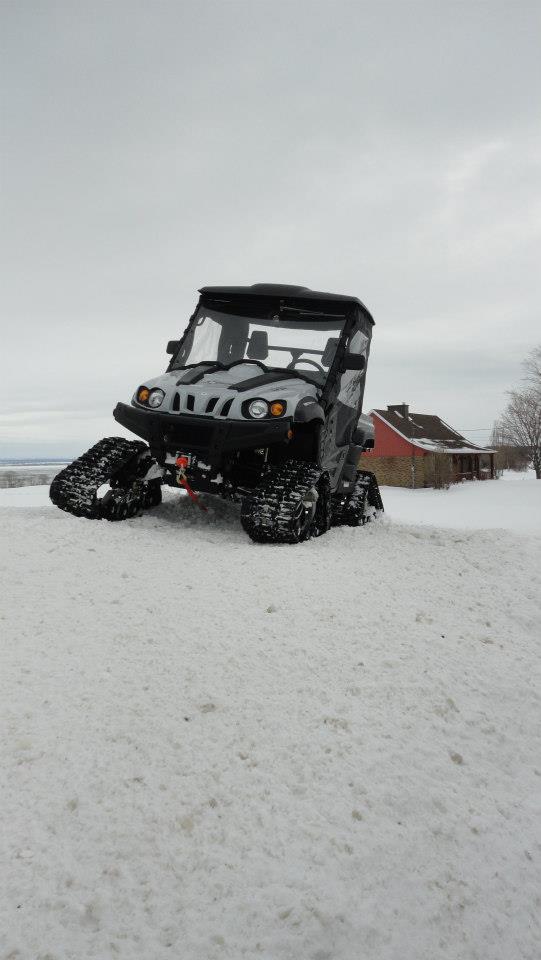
(354, 361)
(172, 346)
(361, 438)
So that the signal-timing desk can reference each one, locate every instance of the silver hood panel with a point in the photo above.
(209, 396)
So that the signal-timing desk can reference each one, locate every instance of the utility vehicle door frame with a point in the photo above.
(341, 418)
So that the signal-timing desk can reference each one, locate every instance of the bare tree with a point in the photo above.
(521, 424)
(532, 368)
(519, 428)
(508, 456)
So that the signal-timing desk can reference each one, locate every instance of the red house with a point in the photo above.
(421, 450)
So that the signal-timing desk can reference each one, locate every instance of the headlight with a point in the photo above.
(258, 409)
(155, 398)
(143, 394)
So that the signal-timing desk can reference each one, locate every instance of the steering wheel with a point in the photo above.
(292, 365)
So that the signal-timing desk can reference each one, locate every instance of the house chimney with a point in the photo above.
(400, 408)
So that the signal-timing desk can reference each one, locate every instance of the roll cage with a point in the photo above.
(293, 305)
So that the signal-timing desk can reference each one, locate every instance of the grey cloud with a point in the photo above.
(388, 150)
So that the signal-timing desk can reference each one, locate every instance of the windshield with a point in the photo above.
(277, 342)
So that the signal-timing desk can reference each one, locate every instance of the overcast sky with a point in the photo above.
(388, 150)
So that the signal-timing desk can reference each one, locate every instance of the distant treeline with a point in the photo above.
(28, 478)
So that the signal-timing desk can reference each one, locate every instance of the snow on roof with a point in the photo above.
(435, 447)
(428, 432)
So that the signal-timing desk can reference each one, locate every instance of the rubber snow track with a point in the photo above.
(214, 749)
(363, 504)
(74, 489)
(267, 515)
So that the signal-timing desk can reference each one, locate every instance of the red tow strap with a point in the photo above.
(182, 480)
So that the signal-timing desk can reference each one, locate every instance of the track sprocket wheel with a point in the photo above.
(290, 504)
(123, 464)
(363, 504)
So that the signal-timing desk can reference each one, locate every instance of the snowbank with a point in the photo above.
(514, 505)
(518, 475)
(488, 504)
(212, 749)
(32, 496)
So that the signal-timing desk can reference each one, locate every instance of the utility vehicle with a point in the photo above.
(261, 403)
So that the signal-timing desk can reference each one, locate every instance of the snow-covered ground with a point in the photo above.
(513, 503)
(31, 496)
(212, 749)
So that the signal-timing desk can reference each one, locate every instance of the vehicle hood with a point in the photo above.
(218, 386)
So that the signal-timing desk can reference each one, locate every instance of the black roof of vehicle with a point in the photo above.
(283, 291)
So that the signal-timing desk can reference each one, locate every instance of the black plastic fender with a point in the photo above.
(307, 410)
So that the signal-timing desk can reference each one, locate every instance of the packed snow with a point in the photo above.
(331, 751)
(488, 504)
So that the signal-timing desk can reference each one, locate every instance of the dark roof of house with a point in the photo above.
(427, 431)
(283, 291)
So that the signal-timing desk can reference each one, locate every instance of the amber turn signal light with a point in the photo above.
(143, 394)
(277, 408)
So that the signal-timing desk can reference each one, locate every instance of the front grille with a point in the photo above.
(226, 408)
(190, 399)
(211, 404)
(176, 402)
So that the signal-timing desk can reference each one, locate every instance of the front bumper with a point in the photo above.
(171, 432)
